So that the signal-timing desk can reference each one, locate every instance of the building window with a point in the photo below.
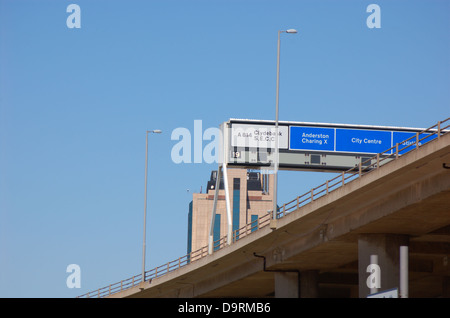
(236, 204)
(216, 232)
(189, 240)
(254, 222)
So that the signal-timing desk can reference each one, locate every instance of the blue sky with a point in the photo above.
(75, 105)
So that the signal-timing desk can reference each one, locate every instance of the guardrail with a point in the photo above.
(345, 177)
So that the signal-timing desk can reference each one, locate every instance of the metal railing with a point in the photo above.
(366, 166)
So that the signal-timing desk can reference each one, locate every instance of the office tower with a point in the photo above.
(250, 195)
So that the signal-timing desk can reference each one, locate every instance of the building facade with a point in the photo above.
(251, 196)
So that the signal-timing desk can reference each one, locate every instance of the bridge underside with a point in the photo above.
(322, 245)
(335, 261)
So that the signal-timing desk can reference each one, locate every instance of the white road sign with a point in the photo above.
(258, 136)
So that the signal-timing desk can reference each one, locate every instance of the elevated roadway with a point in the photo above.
(323, 248)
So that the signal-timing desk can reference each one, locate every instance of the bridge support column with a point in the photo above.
(379, 262)
(309, 286)
(286, 285)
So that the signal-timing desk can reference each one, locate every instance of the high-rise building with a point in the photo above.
(251, 196)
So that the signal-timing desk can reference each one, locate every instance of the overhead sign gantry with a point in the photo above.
(302, 146)
(308, 146)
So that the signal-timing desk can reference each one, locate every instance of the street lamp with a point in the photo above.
(275, 184)
(156, 131)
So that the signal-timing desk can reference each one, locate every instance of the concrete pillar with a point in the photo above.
(286, 285)
(309, 286)
(383, 249)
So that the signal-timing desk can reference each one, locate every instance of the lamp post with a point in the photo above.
(156, 131)
(275, 184)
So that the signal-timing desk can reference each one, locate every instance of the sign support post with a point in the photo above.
(213, 215)
(222, 169)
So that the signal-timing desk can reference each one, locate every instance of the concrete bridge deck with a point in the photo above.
(322, 249)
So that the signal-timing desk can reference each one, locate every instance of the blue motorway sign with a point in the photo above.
(350, 140)
(362, 141)
(401, 136)
(315, 146)
(311, 138)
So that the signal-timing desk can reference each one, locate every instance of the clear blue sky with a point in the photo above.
(75, 105)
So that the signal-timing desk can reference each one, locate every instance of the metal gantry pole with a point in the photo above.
(156, 131)
(145, 206)
(404, 268)
(276, 159)
(228, 205)
(226, 148)
(213, 214)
